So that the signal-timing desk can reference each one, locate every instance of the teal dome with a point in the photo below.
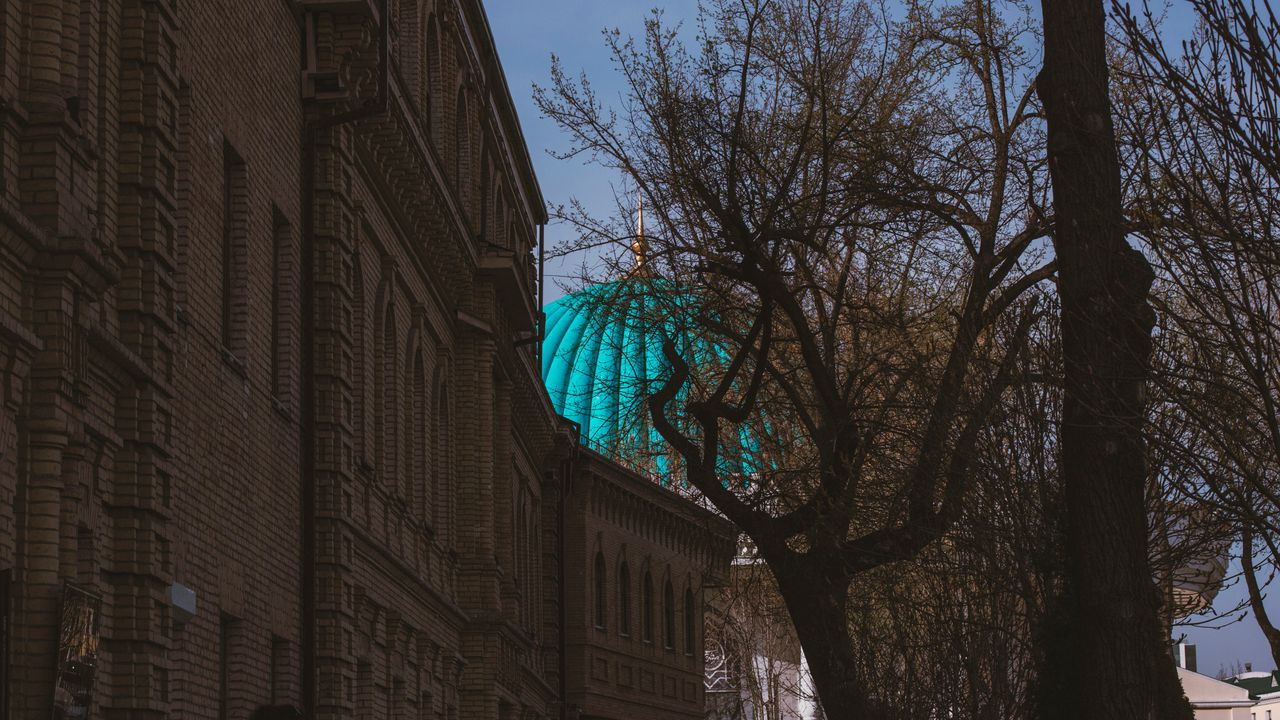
(602, 358)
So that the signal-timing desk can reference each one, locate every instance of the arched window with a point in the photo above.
(385, 422)
(668, 616)
(430, 77)
(690, 629)
(601, 605)
(416, 481)
(361, 348)
(409, 46)
(624, 599)
(462, 153)
(443, 465)
(521, 551)
(646, 607)
(484, 197)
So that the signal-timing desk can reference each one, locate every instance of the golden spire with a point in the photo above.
(639, 246)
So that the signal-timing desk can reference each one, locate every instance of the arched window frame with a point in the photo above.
(624, 599)
(646, 607)
(690, 625)
(407, 34)
(418, 437)
(601, 592)
(442, 460)
(484, 224)
(668, 616)
(431, 77)
(462, 152)
(361, 349)
(386, 380)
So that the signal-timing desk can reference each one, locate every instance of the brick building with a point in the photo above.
(635, 645)
(273, 432)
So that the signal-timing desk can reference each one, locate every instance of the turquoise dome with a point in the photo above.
(602, 358)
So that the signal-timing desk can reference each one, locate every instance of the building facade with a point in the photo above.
(651, 563)
(273, 433)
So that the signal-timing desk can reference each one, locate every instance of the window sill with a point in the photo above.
(281, 408)
(234, 362)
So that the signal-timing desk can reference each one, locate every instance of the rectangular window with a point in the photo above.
(235, 250)
(284, 301)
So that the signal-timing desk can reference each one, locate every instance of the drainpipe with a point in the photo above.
(566, 478)
(566, 468)
(375, 106)
(542, 267)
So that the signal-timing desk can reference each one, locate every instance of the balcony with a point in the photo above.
(511, 275)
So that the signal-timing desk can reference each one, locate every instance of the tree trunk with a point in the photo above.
(1255, 595)
(1108, 657)
(818, 604)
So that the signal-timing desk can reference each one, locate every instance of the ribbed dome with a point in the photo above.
(602, 356)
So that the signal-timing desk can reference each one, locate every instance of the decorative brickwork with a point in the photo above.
(641, 564)
(265, 274)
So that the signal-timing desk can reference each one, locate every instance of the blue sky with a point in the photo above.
(529, 31)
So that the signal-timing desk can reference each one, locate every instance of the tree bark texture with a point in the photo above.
(818, 603)
(1105, 654)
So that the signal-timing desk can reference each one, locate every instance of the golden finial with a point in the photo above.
(639, 246)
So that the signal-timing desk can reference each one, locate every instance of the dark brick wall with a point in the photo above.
(154, 160)
(620, 671)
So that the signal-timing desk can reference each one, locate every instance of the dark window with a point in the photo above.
(431, 76)
(624, 599)
(409, 46)
(362, 350)
(419, 440)
(690, 618)
(386, 427)
(601, 605)
(235, 250)
(484, 198)
(668, 616)
(442, 459)
(462, 154)
(646, 607)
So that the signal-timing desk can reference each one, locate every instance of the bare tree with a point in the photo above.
(848, 211)
(1206, 197)
(954, 630)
